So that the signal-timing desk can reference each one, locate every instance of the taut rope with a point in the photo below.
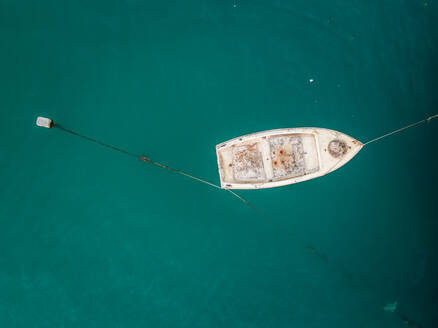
(54, 125)
(401, 129)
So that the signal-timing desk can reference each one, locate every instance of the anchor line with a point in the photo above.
(148, 160)
(401, 129)
(93, 140)
(145, 159)
(249, 204)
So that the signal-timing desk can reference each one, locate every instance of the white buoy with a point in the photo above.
(44, 122)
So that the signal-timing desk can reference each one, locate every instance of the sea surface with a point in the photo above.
(90, 237)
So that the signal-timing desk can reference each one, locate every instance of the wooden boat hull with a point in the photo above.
(280, 157)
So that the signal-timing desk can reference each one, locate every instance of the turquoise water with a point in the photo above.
(92, 238)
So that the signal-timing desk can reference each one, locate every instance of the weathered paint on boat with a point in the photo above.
(280, 157)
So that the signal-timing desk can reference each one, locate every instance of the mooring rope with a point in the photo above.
(145, 159)
(401, 129)
(54, 125)
(249, 204)
(148, 160)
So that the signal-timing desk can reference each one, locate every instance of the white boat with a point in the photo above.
(280, 157)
